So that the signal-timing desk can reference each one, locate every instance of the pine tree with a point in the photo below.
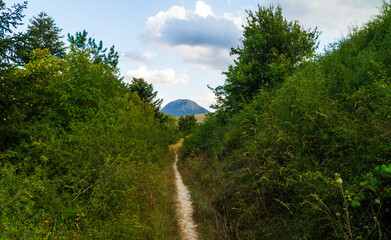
(42, 33)
(145, 91)
(98, 53)
(10, 18)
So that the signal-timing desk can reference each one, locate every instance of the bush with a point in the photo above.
(85, 156)
(305, 159)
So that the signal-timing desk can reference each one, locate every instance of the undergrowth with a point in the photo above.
(80, 155)
(307, 159)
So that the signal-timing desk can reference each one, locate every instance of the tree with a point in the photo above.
(42, 33)
(145, 91)
(9, 18)
(271, 49)
(186, 124)
(98, 53)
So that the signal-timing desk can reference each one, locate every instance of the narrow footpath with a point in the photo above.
(184, 207)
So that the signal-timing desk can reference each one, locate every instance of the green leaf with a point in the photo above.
(364, 183)
(386, 172)
(355, 203)
(374, 182)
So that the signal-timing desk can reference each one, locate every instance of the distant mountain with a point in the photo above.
(183, 107)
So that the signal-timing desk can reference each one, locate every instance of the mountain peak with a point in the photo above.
(183, 107)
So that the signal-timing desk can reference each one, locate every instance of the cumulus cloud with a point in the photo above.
(209, 31)
(332, 17)
(165, 76)
(146, 58)
(203, 9)
(205, 38)
(199, 36)
(155, 23)
(214, 58)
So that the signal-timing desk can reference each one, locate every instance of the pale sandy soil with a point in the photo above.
(184, 207)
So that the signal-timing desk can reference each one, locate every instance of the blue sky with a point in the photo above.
(181, 46)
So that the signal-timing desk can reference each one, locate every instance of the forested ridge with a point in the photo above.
(299, 145)
(81, 153)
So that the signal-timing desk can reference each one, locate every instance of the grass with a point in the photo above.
(200, 117)
(205, 215)
(163, 218)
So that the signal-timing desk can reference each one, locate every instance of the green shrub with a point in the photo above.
(86, 156)
(307, 159)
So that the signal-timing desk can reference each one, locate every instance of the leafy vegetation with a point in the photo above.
(80, 152)
(307, 157)
(145, 91)
(186, 124)
(271, 49)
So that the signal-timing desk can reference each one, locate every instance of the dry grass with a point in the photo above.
(175, 147)
(200, 117)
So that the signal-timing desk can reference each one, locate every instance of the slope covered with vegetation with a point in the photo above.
(81, 152)
(299, 147)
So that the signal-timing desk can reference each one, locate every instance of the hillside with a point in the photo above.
(303, 153)
(183, 107)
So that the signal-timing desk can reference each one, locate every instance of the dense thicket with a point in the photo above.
(307, 159)
(79, 151)
(186, 124)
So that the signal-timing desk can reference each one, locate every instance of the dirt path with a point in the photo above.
(184, 207)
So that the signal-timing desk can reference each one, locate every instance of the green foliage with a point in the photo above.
(79, 154)
(42, 33)
(98, 53)
(307, 160)
(272, 48)
(186, 124)
(9, 18)
(145, 91)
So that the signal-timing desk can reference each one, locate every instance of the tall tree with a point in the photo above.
(145, 91)
(10, 18)
(271, 48)
(42, 33)
(98, 53)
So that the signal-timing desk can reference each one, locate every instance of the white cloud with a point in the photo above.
(155, 23)
(238, 20)
(146, 58)
(197, 36)
(165, 76)
(213, 58)
(203, 9)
